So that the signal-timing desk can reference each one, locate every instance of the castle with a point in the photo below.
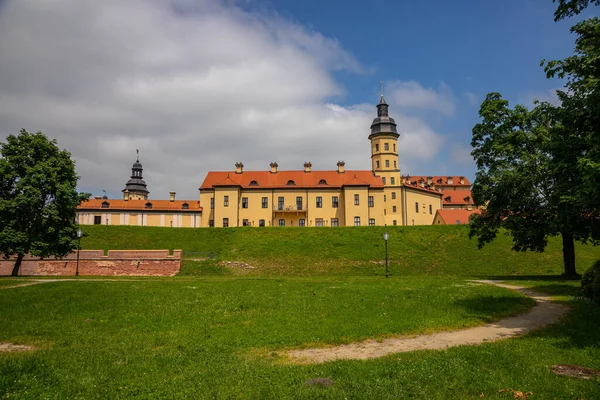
(340, 197)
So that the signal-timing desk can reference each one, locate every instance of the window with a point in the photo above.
(371, 202)
(318, 221)
(261, 222)
(393, 209)
(322, 182)
(282, 222)
(211, 223)
(148, 205)
(212, 203)
(416, 206)
(394, 222)
(356, 199)
(335, 202)
(371, 221)
(105, 204)
(356, 221)
(383, 179)
(387, 163)
(280, 203)
(393, 195)
(384, 198)
(97, 220)
(245, 222)
(376, 164)
(385, 211)
(386, 146)
(393, 180)
(430, 209)
(299, 203)
(377, 147)
(291, 183)
(395, 166)
(394, 150)
(253, 183)
(185, 206)
(225, 222)
(265, 202)
(226, 201)
(335, 222)
(244, 202)
(319, 202)
(301, 222)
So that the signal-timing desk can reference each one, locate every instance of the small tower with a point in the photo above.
(384, 145)
(135, 189)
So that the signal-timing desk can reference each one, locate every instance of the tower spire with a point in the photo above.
(138, 155)
(381, 89)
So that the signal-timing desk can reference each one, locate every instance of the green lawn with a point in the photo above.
(413, 250)
(212, 331)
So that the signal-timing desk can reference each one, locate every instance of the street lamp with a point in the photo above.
(79, 234)
(385, 237)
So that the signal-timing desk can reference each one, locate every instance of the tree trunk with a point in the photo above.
(15, 271)
(569, 254)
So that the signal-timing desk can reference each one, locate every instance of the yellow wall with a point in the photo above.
(424, 199)
(438, 220)
(132, 218)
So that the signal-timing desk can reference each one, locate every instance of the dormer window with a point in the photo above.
(185, 206)
(105, 204)
(291, 183)
(253, 183)
(148, 205)
(440, 180)
(467, 199)
(322, 182)
(448, 198)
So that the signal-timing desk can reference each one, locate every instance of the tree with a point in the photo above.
(569, 8)
(38, 198)
(528, 179)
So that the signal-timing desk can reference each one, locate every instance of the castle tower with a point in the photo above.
(135, 189)
(384, 146)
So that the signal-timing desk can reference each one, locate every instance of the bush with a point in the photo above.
(590, 282)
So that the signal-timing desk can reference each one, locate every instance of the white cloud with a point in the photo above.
(411, 94)
(472, 98)
(527, 98)
(195, 85)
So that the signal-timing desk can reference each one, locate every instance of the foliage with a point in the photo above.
(569, 8)
(38, 198)
(590, 282)
(359, 251)
(528, 180)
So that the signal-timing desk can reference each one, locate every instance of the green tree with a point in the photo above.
(38, 198)
(528, 179)
(569, 8)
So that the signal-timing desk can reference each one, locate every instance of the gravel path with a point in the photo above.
(542, 314)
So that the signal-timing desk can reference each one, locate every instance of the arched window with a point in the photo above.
(322, 182)
(105, 204)
(148, 205)
(253, 183)
(185, 206)
(291, 183)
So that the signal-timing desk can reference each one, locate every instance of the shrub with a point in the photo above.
(590, 282)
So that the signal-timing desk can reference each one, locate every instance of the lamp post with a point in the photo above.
(79, 233)
(385, 237)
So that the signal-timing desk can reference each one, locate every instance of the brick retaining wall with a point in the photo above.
(94, 262)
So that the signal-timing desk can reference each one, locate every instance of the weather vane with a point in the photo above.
(381, 88)
(138, 154)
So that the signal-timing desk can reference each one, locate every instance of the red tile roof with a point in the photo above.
(140, 205)
(457, 197)
(450, 217)
(444, 180)
(284, 179)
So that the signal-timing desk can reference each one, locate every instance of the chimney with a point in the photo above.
(274, 166)
(172, 196)
(126, 195)
(341, 165)
(450, 180)
(429, 180)
(307, 166)
(239, 167)
(462, 180)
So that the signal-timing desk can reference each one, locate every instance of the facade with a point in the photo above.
(380, 196)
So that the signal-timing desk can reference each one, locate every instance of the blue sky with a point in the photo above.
(198, 85)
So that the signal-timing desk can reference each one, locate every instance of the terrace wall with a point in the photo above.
(95, 263)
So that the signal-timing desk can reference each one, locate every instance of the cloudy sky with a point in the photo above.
(197, 85)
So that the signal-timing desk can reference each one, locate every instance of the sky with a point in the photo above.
(198, 85)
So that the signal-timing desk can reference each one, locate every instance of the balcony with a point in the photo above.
(294, 208)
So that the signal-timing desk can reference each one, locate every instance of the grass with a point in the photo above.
(356, 251)
(212, 331)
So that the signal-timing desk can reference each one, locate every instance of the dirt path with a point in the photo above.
(38, 281)
(542, 314)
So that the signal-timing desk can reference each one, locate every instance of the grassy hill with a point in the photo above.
(414, 250)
